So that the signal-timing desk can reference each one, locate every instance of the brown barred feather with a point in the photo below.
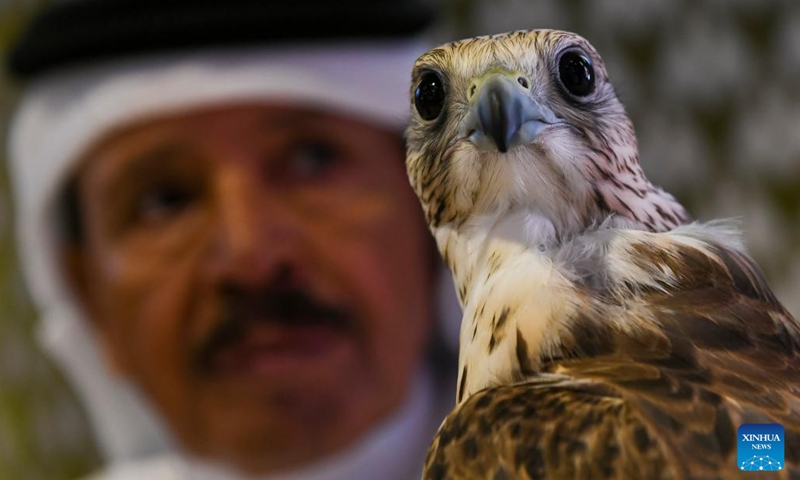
(661, 403)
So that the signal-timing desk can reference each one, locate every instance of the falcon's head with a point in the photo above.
(527, 120)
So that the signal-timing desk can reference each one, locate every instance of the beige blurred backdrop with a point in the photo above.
(713, 87)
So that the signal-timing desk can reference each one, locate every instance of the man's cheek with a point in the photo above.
(152, 321)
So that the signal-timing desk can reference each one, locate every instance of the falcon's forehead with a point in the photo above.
(522, 50)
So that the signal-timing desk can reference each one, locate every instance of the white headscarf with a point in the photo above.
(63, 114)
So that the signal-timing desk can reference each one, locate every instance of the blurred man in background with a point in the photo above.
(217, 228)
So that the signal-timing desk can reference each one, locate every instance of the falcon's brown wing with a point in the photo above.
(659, 403)
(548, 430)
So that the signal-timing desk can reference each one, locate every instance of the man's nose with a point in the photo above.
(257, 237)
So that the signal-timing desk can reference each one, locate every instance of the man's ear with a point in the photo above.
(77, 273)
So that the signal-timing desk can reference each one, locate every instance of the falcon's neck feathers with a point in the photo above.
(527, 307)
(524, 276)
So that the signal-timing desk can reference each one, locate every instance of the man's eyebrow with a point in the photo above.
(140, 164)
(157, 153)
(287, 120)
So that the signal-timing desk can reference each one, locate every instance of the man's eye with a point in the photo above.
(309, 160)
(163, 202)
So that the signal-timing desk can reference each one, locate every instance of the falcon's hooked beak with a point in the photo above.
(503, 113)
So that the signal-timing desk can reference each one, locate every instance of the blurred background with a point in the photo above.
(713, 90)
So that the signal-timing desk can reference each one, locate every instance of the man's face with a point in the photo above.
(260, 272)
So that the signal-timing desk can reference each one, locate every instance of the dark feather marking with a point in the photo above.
(463, 382)
(706, 333)
(746, 276)
(630, 188)
(709, 397)
(485, 426)
(501, 474)
(470, 447)
(436, 470)
(792, 446)
(641, 439)
(625, 206)
(666, 215)
(663, 387)
(494, 262)
(682, 357)
(602, 171)
(501, 321)
(724, 432)
(462, 291)
(590, 338)
(436, 218)
(601, 201)
(661, 419)
(530, 457)
(523, 356)
(693, 268)
(484, 400)
(503, 317)
(497, 334)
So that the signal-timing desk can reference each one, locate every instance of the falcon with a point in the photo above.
(605, 335)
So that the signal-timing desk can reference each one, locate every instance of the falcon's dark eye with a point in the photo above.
(576, 73)
(429, 95)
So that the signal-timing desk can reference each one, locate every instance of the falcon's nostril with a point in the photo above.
(524, 82)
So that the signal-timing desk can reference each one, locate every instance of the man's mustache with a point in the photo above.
(294, 307)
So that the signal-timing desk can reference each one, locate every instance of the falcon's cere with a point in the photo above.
(604, 335)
